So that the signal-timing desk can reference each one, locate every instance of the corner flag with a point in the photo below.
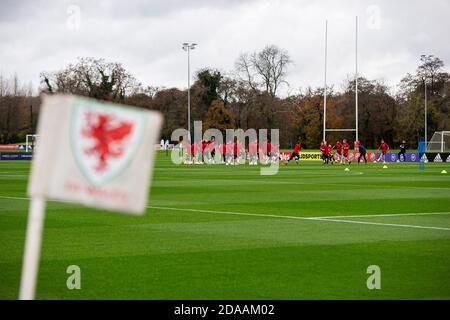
(95, 153)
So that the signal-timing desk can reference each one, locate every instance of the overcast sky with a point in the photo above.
(146, 36)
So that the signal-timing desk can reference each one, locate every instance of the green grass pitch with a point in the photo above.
(221, 232)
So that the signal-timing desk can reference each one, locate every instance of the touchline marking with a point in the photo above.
(229, 212)
(375, 186)
(14, 198)
(322, 218)
(295, 217)
(382, 224)
(382, 215)
(13, 176)
(325, 218)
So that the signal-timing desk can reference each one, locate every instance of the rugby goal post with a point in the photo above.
(439, 142)
(355, 129)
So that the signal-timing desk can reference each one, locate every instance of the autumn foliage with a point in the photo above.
(245, 99)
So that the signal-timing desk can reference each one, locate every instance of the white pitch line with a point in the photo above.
(382, 224)
(229, 212)
(15, 198)
(323, 218)
(382, 215)
(13, 176)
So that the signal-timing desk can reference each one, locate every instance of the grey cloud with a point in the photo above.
(146, 36)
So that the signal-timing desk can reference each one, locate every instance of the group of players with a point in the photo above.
(234, 152)
(342, 152)
(341, 155)
(231, 153)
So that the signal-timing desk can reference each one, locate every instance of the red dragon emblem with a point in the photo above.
(108, 134)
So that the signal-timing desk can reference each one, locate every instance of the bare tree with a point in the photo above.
(3, 85)
(94, 78)
(430, 69)
(265, 70)
(245, 69)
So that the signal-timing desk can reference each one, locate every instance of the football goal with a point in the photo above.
(439, 142)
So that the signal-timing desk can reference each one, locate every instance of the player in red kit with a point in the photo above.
(193, 151)
(266, 149)
(323, 151)
(189, 155)
(253, 153)
(345, 148)
(330, 153)
(229, 155)
(338, 147)
(384, 147)
(212, 148)
(209, 151)
(274, 152)
(296, 152)
(237, 152)
(223, 152)
(198, 152)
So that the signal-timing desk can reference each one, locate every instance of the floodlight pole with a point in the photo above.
(188, 47)
(189, 91)
(356, 79)
(325, 85)
(426, 112)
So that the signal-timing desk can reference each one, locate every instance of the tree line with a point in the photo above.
(248, 97)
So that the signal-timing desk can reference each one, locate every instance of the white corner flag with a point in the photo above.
(95, 153)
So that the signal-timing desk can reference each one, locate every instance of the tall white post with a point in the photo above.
(189, 92)
(426, 114)
(356, 79)
(325, 85)
(188, 47)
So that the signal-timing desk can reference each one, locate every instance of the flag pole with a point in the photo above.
(31, 256)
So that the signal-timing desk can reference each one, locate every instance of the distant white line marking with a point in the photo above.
(229, 212)
(383, 215)
(323, 218)
(382, 224)
(14, 198)
(13, 176)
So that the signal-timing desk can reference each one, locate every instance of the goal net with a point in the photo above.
(439, 142)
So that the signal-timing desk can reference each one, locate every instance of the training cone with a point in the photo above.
(444, 171)
(346, 169)
(385, 167)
